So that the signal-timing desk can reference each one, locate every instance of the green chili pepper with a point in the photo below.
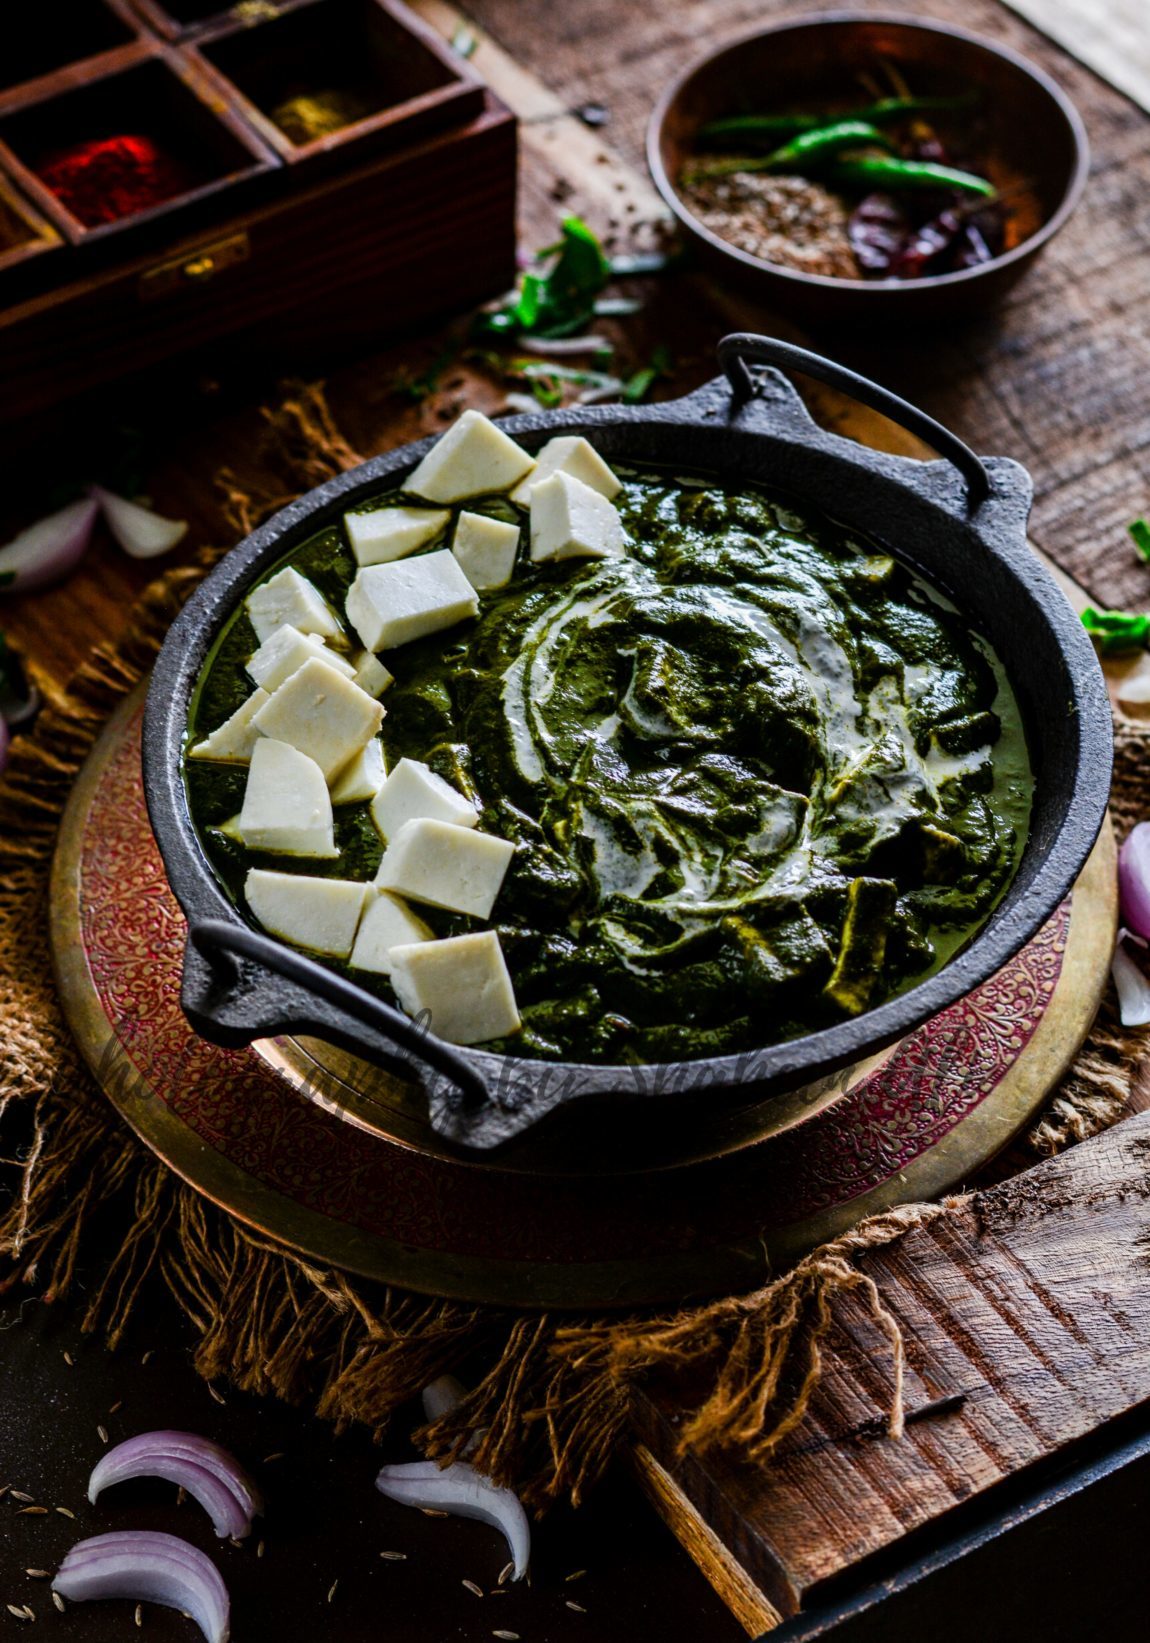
(1140, 536)
(803, 153)
(1116, 632)
(759, 130)
(884, 171)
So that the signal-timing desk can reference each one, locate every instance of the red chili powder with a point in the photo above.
(107, 178)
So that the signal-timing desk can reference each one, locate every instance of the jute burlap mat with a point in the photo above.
(551, 1398)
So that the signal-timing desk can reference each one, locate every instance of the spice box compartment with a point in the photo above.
(126, 148)
(332, 72)
(64, 35)
(23, 232)
(182, 19)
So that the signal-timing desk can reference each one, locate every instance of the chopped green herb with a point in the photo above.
(639, 385)
(554, 301)
(1140, 536)
(1116, 632)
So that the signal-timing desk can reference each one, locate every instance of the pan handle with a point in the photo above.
(343, 1008)
(735, 350)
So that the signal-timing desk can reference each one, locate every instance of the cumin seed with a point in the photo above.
(394, 1557)
(119, 1404)
(269, 1459)
(139, 1614)
(18, 1494)
(577, 1575)
(16, 1612)
(69, 1360)
(334, 1584)
(4, 1488)
(32, 1511)
(578, 1607)
(147, 1358)
(181, 1495)
(509, 1637)
(474, 1588)
(65, 1511)
(58, 1601)
(259, 1548)
(219, 1397)
(37, 1574)
(102, 1433)
(505, 1574)
(432, 1511)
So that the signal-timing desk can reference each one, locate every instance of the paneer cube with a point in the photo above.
(362, 777)
(571, 521)
(445, 866)
(411, 791)
(387, 922)
(390, 605)
(485, 549)
(286, 652)
(371, 675)
(569, 454)
(392, 533)
(286, 805)
(290, 600)
(473, 458)
(325, 715)
(234, 740)
(463, 984)
(322, 914)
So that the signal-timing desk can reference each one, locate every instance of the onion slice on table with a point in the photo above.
(138, 530)
(1134, 880)
(463, 1492)
(49, 549)
(149, 1568)
(208, 1472)
(1133, 990)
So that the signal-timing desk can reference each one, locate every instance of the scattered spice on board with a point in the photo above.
(398, 1557)
(58, 1601)
(474, 1588)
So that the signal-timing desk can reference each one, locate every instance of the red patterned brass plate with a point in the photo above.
(531, 1230)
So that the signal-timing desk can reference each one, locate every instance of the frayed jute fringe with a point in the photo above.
(551, 1397)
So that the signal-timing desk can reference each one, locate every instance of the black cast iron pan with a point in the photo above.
(960, 521)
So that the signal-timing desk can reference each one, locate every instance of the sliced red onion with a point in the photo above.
(1133, 990)
(442, 1396)
(49, 549)
(138, 530)
(148, 1568)
(463, 1492)
(520, 404)
(207, 1471)
(1134, 880)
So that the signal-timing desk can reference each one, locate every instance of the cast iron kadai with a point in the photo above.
(960, 521)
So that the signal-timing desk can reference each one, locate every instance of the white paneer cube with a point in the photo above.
(386, 923)
(371, 675)
(362, 777)
(473, 458)
(571, 521)
(445, 866)
(485, 549)
(325, 715)
(412, 791)
(463, 984)
(322, 914)
(290, 600)
(286, 806)
(286, 652)
(390, 605)
(234, 740)
(569, 454)
(392, 533)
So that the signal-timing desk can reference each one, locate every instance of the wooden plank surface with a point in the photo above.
(1028, 1309)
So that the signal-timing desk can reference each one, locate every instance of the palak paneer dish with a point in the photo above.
(606, 764)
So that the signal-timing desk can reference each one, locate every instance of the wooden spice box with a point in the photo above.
(312, 170)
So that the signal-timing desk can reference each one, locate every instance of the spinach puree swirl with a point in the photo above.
(759, 776)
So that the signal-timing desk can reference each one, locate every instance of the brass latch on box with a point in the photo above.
(194, 267)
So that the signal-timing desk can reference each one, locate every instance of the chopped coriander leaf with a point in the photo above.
(639, 385)
(1140, 536)
(559, 300)
(1116, 632)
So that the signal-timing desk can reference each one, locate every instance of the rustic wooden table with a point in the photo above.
(1059, 378)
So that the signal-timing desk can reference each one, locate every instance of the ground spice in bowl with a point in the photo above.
(785, 220)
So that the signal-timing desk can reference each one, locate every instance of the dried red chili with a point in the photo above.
(107, 178)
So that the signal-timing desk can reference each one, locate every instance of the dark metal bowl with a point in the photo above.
(1034, 132)
(961, 522)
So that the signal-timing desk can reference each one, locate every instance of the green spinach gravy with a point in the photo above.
(760, 777)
